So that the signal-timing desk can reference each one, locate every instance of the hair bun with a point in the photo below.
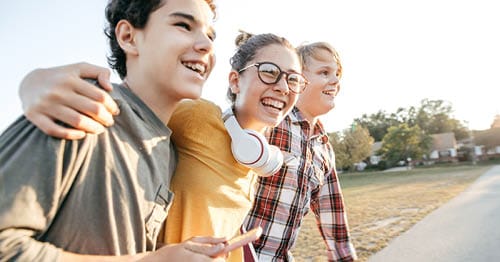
(242, 38)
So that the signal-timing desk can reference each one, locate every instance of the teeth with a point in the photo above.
(273, 103)
(198, 67)
(329, 92)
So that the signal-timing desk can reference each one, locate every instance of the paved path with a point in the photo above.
(465, 229)
(396, 169)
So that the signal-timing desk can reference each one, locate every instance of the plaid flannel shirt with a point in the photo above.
(308, 180)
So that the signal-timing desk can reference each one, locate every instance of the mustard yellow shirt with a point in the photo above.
(213, 193)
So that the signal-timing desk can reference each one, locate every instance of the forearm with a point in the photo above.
(332, 221)
(72, 257)
(338, 242)
(19, 245)
(16, 246)
(343, 252)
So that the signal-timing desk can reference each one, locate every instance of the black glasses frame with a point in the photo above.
(300, 89)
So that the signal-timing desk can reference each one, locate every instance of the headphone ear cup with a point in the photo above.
(246, 146)
(250, 149)
(274, 163)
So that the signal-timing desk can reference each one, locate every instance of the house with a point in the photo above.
(444, 148)
(374, 158)
(489, 141)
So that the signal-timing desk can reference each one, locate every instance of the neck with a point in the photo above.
(310, 117)
(247, 124)
(161, 105)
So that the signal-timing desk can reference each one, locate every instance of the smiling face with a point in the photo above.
(259, 105)
(322, 72)
(174, 52)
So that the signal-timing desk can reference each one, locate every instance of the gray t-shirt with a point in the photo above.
(106, 194)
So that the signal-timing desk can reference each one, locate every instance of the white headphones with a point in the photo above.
(251, 149)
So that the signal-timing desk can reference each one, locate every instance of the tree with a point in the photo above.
(432, 116)
(435, 117)
(376, 124)
(351, 146)
(341, 157)
(402, 142)
(489, 138)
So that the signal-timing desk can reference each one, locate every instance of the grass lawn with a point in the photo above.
(382, 205)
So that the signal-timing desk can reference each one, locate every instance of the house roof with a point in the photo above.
(443, 141)
(489, 137)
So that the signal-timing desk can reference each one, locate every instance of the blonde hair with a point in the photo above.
(307, 51)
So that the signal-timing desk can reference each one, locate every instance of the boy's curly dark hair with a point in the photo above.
(136, 12)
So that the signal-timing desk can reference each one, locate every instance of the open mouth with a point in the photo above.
(199, 68)
(279, 105)
(331, 92)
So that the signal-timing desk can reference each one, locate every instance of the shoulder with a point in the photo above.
(197, 120)
(196, 110)
(25, 149)
(22, 133)
(200, 106)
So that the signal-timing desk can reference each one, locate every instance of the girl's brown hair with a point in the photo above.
(247, 46)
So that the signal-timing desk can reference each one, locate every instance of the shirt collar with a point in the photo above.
(298, 118)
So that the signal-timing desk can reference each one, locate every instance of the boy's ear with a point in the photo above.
(234, 82)
(125, 35)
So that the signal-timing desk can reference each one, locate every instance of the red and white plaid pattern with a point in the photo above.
(307, 181)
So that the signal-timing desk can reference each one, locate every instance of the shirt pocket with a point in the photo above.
(158, 214)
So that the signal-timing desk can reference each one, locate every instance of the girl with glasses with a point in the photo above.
(220, 153)
(209, 183)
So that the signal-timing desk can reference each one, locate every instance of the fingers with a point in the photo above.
(50, 128)
(203, 245)
(185, 251)
(63, 80)
(94, 102)
(86, 70)
(60, 94)
(209, 240)
(45, 116)
(74, 119)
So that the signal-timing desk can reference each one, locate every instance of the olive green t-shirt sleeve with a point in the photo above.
(35, 174)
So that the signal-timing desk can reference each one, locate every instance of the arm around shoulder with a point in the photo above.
(60, 94)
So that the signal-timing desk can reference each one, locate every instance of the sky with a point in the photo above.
(394, 53)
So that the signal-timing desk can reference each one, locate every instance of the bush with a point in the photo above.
(382, 165)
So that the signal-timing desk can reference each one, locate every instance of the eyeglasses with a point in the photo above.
(269, 73)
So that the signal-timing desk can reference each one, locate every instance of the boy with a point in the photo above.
(309, 181)
(107, 195)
